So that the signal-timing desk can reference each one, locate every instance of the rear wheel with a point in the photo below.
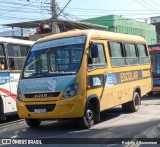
(125, 107)
(33, 123)
(87, 121)
(133, 105)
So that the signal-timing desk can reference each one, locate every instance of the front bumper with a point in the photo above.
(67, 108)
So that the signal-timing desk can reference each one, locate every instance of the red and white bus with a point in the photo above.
(12, 56)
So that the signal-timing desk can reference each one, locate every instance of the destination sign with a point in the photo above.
(154, 48)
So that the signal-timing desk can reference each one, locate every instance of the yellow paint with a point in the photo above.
(108, 96)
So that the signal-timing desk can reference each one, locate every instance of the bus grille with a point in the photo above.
(42, 95)
(48, 107)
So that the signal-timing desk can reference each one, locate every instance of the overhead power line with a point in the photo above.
(70, 8)
(155, 3)
(18, 4)
(22, 11)
(64, 8)
(143, 5)
(15, 3)
(13, 7)
(150, 6)
(119, 13)
(18, 8)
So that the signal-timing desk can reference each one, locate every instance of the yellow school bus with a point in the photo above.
(79, 73)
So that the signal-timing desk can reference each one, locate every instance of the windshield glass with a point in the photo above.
(155, 60)
(56, 57)
(158, 63)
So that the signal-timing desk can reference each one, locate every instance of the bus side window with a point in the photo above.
(143, 55)
(12, 64)
(3, 65)
(16, 54)
(117, 54)
(100, 60)
(131, 56)
(153, 62)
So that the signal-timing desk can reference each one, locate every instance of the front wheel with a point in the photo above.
(87, 121)
(33, 123)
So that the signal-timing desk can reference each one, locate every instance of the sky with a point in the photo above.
(30, 10)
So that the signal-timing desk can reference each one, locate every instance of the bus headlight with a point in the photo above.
(71, 91)
(19, 96)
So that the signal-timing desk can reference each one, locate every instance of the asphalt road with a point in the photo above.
(114, 124)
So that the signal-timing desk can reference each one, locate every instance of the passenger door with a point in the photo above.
(97, 67)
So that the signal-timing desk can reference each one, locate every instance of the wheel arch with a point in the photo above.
(93, 99)
(138, 90)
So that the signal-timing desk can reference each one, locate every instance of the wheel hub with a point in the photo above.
(89, 115)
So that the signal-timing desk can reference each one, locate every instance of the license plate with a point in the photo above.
(40, 111)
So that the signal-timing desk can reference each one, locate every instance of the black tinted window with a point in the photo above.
(131, 57)
(116, 53)
(1, 50)
(17, 54)
(143, 55)
(100, 61)
(24, 50)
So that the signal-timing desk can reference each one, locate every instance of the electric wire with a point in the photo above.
(18, 7)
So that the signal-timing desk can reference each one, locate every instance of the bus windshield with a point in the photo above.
(55, 57)
(155, 60)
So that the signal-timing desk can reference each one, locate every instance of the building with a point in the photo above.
(156, 21)
(43, 27)
(128, 26)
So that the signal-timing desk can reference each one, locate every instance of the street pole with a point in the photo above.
(54, 17)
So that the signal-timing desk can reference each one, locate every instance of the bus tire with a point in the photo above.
(125, 107)
(133, 105)
(87, 121)
(2, 116)
(33, 123)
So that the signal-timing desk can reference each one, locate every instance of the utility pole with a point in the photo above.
(54, 17)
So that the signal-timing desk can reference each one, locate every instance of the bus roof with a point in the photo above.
(17, 41)
(95, 34)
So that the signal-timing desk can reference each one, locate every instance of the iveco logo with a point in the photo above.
(40, 95)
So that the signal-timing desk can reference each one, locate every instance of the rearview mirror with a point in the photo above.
(94, 50)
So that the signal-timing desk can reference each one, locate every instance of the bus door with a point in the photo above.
(113, 92)
(97, 66)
